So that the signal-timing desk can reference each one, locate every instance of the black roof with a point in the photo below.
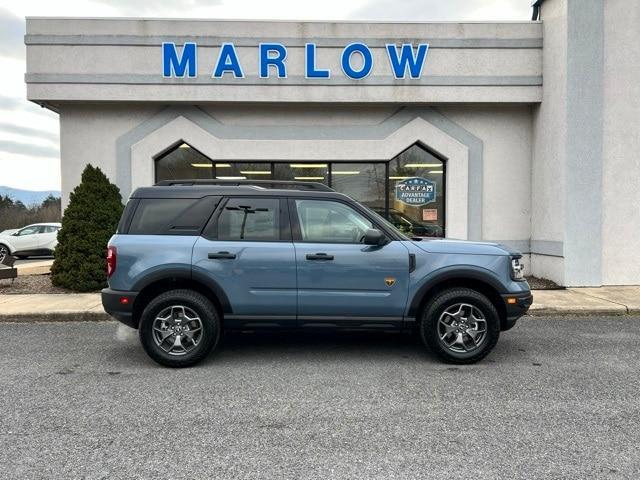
(279, 184)
(203, 188)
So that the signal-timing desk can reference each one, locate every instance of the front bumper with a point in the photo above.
(112, 302)
(523, 301)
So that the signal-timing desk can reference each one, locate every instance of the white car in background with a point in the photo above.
(32, 240)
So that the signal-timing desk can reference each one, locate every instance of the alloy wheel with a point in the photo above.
(177, 330)
(462, 328)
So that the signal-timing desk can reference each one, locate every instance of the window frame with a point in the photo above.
(210, 231)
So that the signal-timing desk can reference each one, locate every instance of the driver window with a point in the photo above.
(28, 231)
(330, 222)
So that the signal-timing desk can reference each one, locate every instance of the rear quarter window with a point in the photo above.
(171, 216)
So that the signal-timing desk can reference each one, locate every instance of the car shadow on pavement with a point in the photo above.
(327, 345)
(283, 346)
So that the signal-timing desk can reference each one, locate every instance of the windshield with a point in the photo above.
(380, 219)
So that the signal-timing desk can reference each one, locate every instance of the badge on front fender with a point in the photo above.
(390, 281)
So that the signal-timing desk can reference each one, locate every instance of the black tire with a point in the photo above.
(508, 326)
(449, 299)
(205, 310)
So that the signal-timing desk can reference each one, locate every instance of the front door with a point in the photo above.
(247, 250)
(341, 281)
(27, 239)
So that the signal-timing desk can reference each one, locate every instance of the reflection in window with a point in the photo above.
(326, 221)
(183, 162)
(302, 172)
(250, 219)
(364, 182)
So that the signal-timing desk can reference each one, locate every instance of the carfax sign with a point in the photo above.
(416, 191)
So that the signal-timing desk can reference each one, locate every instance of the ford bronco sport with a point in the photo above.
(190, 258)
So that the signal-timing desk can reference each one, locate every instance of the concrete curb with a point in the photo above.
(57, 317)
(35, 268)
(95, 316)
(553, 311)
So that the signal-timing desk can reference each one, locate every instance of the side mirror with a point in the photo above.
(374, 237)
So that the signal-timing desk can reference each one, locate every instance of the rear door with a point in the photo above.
(341, 281)
(248, 251)
(47, 237)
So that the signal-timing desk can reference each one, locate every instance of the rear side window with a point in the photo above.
(172, 216)
(250, 219)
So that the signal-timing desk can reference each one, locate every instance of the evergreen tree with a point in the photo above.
(89, 220)
(50, 201)
(6, 202)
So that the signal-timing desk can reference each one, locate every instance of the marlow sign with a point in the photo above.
(403, 60)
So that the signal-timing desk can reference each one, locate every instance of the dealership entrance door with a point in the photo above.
(395, 188)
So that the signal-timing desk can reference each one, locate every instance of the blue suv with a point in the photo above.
(190, 259)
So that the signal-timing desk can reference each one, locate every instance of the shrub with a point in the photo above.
(89, 220)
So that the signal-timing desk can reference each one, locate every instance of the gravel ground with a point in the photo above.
(30, 284)
(557, 399)
(542, 284)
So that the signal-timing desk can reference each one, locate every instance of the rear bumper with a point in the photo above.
(112, 302)
(523, 301)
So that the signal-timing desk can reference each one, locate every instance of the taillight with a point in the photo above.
(111, 260)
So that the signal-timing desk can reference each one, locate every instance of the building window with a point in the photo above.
(183, 162)
(302, 171)
(426, 219)
(365, 182)
(374, 184)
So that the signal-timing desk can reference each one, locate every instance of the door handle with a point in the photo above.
(319, 256)
(222, 255)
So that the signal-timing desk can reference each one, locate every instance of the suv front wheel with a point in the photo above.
(460, 325)
(179, 328)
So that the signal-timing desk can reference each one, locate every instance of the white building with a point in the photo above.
(528, 132)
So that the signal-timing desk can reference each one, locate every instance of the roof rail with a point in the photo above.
(278, 184)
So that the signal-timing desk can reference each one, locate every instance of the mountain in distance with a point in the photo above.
(28, 197)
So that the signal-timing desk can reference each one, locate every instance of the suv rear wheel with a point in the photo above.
(460, 325)
(179, 328)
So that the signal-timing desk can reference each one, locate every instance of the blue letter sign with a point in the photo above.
(228, 62)
(404, 60)
(277, 61)
(416, 191)
(407, 59)
(311, 71)
(367, 61)
(175, 66)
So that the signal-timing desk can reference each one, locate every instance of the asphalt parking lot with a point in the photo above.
(558, 398)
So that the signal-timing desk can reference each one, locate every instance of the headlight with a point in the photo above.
(517, 269)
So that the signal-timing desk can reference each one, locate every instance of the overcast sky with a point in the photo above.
(29, 146)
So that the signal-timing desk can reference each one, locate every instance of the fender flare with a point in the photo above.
(459, 272)
(184, 273)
